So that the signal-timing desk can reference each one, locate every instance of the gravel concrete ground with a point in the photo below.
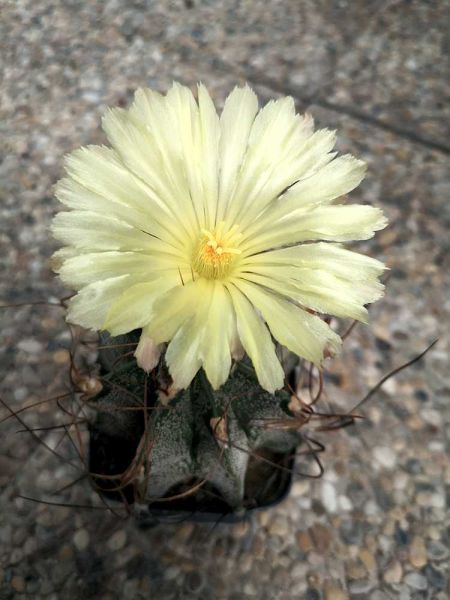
(376, 525)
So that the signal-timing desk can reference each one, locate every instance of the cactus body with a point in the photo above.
(199, 435)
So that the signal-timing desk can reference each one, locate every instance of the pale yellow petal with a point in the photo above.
(334, 223)
(102, 171)
(138, 150)
(304, 334)
(134, 307)
(174, 308)
(161, 122)
(321, 255)
(218, 333)
(94, 232)
(282, 148)
(87, 268)
(273, 181)
(270, 133)
(59, 257)
(323, 277)
(257, 342)
(184, 353)
(208, 165)
(149, 218)
(338, 177)
(184, 111)
(236, 120)
(90, 306)
(149, 107)
(319, 290)
(147, 352)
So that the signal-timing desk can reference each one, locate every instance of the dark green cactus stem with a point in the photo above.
(200, 434)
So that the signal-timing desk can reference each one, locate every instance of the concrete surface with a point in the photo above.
(376, 525)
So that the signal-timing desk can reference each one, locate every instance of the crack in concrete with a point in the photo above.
(255, 77)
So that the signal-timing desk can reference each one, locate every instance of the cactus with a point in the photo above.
(216, 236)
(199, 435)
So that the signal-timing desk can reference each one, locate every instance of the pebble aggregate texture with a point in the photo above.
(376, 525)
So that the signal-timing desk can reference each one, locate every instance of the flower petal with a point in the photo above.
(147, 352)
(93, 232)
(319, 290)
(90, 306)
(338, 177)
(218, 334)
(101, 170)
(321, 255)
(281, 149)
(333, 180)
(185, 114)
(184, 355)
(161, 122)
(59, 257)
(208, 165)
(134, 308)
(83, 269)
(139, 151)
(315, 151)
(78, 197)
(323, 277)
(334, 223)
(257, 342)
(236, 121)
(174, 308)
(304, 334)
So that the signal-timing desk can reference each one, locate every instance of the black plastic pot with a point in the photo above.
(266, 485)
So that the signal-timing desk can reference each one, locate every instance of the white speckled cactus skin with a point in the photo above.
(200, 434)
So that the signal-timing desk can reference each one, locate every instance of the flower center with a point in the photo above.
(216, 251)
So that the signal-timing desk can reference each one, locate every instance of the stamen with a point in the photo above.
(216, 251)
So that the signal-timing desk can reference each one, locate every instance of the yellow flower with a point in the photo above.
(215, 234)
